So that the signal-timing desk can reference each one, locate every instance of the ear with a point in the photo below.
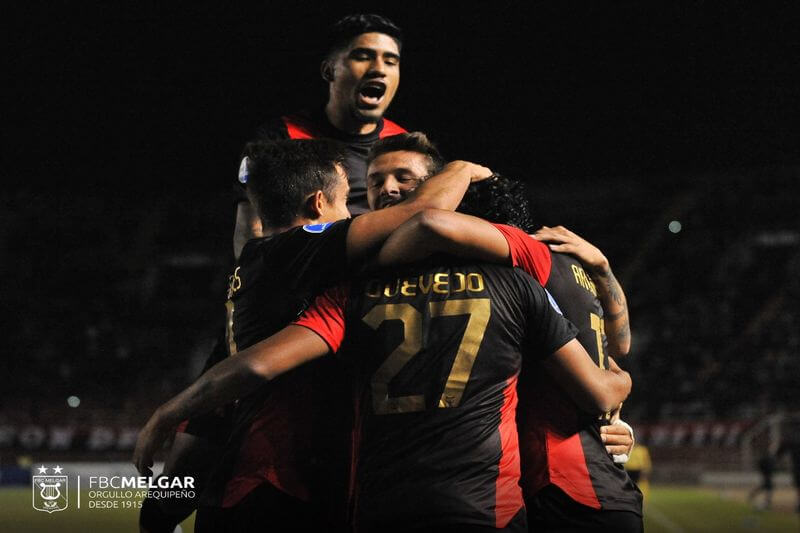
(326, 70)
(315, 205)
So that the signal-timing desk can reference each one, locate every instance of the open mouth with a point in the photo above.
(371, 93)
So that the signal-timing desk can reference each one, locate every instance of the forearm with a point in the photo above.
(232, 378)
(615, 310)
(446, 189)
(436, 231)
(617, 383)
(609, 291)
(593, 389)
(443, 191)
(221, 384)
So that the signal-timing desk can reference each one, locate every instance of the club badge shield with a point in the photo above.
(50, 493)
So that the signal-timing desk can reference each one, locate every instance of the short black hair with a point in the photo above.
(416, 141)
(282, 174)
(500, 200)
(346, 29)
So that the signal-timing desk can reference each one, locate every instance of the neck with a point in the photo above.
(343, 122)
(269, 231)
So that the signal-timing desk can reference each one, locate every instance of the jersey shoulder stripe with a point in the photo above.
(527, 253)
(391, 128)
(299, 127)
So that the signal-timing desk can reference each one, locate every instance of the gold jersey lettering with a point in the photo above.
(440, 283)
(389, 292)
(409, 288)
(474, 282)
(582, 279)
(425, 288)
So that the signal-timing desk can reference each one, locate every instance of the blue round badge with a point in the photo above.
(317, 228)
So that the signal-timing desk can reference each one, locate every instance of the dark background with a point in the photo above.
(123, 126)
(125, 98)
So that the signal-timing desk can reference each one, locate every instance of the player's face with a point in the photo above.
(365, 77)
(393, 175)
(336, 208)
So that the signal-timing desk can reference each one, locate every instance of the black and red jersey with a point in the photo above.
(437, 351)
(317, 126)
(275, 429)
(559, 443)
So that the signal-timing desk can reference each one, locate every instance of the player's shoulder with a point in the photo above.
(528, 289)
(566, 265)
(296, 125)
(309, 233)
(295, 243)
(520, 239)
(504, 278)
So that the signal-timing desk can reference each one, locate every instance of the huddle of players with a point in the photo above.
(412, 425)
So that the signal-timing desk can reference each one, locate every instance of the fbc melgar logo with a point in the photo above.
(110, 490)
(50, 492)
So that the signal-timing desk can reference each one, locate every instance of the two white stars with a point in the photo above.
(43, 469)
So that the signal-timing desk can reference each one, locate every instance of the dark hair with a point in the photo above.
(346, 29)
(281, 175)
(500, 200)
(415, 141)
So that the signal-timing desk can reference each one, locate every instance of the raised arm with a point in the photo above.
(442, 191)
(437, 231)
(609, 291)
(593, 389)
(226, 381)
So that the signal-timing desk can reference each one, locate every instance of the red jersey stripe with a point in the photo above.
(298, 128)
(508, 493)
(390, 128)
(530, 255)
(325, 317)
(568, 469)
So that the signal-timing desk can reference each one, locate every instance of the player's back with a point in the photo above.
(560, 443)
(438, 350)
(276, 430)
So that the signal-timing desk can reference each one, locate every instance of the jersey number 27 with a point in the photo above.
(478, 311)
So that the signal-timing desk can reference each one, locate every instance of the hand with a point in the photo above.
(151, 438)
(617, 439)
(476, 172)
(561, 239)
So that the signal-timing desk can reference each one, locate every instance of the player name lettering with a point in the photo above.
(583, 279)
(123, 482)
(440, 283)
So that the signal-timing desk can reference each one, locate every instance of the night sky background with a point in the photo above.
(124, 99)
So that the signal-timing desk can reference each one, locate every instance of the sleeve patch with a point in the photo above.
(553, 302)
(243, 172)
(317, 228)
